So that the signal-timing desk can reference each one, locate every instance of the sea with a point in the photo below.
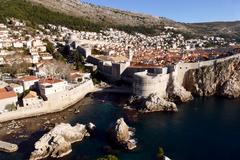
(203, 129)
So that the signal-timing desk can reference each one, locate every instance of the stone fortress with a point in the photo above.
(146, 79)
(145, 83)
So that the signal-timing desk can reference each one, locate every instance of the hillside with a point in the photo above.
(83, 16)
(223, 29)
(104, 14)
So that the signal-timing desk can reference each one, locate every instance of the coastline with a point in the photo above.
(92, 108)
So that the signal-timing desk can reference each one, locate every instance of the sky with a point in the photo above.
(180, 10)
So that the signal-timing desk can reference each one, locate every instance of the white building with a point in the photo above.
(17, 44)
(4, 33)
(50, 86)
(2, 61)
(28, 81)
(46, 56)
(7, 97)
(35, 57)
(16, 87)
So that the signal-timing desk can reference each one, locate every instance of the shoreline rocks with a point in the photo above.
(57, 142)
(122, 134)
(8, 147)
(178, 93)
(152, 103)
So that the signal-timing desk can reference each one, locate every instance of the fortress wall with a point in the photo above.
(182, 68)
(93, 60)
(145, 84)
(118, 69)
(56, 102)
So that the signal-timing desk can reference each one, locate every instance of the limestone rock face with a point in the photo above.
(179, 94)
(122, 135)
(231, 88)
(155, 103)
(152, 103)
(57, 142)
(219, 79)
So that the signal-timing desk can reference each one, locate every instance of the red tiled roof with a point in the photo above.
(4, 94)
(28, 78)
(50, 81)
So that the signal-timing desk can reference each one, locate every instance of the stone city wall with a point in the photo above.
(55, 103)
(145, 83)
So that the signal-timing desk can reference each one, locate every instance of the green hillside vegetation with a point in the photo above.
(37, 14)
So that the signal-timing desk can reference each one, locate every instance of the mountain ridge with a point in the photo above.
(105, 17)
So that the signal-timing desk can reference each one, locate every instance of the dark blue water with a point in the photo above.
(204, 129)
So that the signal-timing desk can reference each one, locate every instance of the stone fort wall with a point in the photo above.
(56, 102)
(145, 83)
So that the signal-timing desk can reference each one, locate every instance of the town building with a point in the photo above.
(50, 86)
(7, 97)
(28, 82)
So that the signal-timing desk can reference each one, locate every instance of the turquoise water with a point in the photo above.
(204, 129)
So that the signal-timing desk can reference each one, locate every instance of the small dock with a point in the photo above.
(8, 147)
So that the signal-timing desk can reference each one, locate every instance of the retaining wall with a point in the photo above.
(56, 102)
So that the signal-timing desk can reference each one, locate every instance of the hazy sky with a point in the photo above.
(180, 10)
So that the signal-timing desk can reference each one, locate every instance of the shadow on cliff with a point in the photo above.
(26, 147)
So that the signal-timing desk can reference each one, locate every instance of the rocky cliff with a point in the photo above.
(220, 79)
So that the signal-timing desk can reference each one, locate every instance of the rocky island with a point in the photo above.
(152, 103)
(122, 135)
(57, 142)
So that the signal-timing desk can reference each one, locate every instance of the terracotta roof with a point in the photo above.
(13, 85)
(50, 81)
(4, 93)
(28, 78)
(31, 94)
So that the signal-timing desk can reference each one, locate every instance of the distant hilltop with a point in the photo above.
(105, 14)
(84, 16)
(112, 16)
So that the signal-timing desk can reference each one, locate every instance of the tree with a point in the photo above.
(160, 154)
(108, 157)
(50, 47)
(11, 107)
(78, 60)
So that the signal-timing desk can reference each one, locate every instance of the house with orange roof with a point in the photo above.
(51, 85)
(28, 81)
(7, 97)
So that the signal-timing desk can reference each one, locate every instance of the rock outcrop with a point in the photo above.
(57, 142)
(177, 93)
(231, 88)
(155, 103)
(122, 134)
(219, 79)
(152, 103)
